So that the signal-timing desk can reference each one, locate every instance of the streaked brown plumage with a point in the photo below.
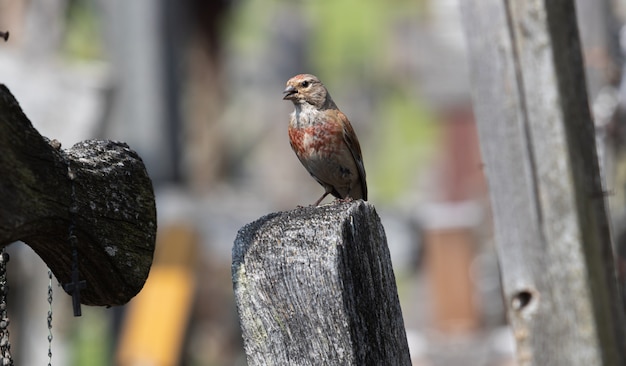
(324, 140)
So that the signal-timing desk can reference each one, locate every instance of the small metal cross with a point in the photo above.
(74, 288)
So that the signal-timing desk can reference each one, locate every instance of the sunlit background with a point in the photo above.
(195, 87)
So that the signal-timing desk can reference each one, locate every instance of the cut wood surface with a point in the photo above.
(315, 286)
(113, 210)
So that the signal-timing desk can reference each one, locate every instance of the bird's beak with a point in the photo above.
(289, 92)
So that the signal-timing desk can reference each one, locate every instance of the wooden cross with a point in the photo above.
(113, 200)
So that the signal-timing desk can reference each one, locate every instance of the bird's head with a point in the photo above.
(307, 88)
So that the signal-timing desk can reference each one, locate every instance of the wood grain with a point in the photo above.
(315, 286)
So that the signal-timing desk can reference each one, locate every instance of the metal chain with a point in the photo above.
(5, 344)
(49, 317)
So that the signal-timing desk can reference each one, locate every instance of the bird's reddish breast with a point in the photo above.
(319, 139)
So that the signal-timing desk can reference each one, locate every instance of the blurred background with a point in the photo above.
(195, 87)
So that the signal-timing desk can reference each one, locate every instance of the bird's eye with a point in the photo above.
(305, 83)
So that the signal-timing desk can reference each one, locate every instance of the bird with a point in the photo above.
(324, 140)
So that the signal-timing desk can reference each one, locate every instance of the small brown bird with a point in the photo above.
(323, 139)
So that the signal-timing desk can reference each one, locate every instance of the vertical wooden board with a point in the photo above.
(504, 148)
(556, 192)
(501, 131)
(575, 224)
(537, 143)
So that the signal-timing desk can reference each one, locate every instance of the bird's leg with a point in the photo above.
(328, 190)
(321, 198)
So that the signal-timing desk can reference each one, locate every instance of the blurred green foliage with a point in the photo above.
(83, 36)
(348, 37)
(249, 25)
(405, 137)
(91, 343)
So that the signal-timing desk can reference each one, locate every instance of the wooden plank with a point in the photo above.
(315, 286)
(537, 142)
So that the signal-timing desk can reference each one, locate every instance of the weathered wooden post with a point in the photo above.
(537, 142)
(97, 192)
(314, 286)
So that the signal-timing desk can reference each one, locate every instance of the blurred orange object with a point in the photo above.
(157, 318)
(450, 253)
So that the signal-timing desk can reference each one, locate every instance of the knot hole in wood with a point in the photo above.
(525, 300)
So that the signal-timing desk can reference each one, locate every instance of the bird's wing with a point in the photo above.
(355, 149)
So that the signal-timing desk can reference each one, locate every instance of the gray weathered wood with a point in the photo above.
(315, 286)
(115, 212)
(537, 142)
